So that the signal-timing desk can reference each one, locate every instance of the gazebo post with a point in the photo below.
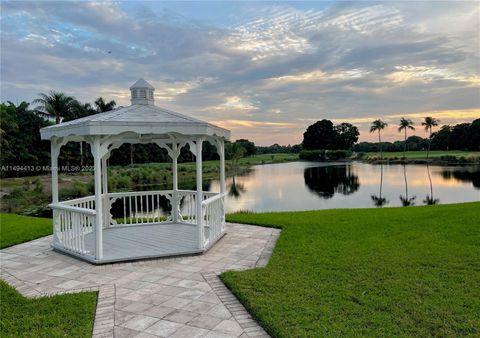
(199, 211)
(105, 205)
(54, 152)
(98, 198)
(175, 205)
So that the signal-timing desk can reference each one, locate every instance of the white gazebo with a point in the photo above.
(85, 228)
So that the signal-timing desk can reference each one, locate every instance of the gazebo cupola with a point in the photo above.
(141, 92)
(128, 225)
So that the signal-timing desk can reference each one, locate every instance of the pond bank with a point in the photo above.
(30, 195)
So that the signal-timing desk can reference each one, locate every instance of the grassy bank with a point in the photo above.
(15, 229)
(31, 195)
(367, 272)
(420, 155)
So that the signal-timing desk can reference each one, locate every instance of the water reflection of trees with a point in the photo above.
(236, 189)
(325, 181)
(463, 175)
(406, 200)
(430, 199)
(379, 200)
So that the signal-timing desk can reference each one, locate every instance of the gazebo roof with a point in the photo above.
(141, 119)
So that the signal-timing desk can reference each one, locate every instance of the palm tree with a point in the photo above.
(404, 125)
(378, 125)
(103, 106)
(56, 105)
(429, 123)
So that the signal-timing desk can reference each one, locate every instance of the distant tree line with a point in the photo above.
(23, 153)
(463, 136)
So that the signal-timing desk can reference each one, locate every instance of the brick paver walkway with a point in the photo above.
(176, 297)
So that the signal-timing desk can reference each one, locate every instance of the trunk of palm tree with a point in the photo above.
(380, 144)
(429, 142)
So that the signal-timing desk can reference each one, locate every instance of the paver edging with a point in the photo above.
(233, 305)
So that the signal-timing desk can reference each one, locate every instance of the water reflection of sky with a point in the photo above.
(307, 186)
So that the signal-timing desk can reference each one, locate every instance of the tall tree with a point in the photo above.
(347, 135)
(378, 125)
(405, 124)
(56, 105)
(320, 135)
(103, 106)
(429, 123)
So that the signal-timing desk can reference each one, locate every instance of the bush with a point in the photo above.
(338, 154)
(312, 155)
(448, 158)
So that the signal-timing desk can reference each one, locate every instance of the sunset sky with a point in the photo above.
(265, 70)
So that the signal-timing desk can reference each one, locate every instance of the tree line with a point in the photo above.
(324, 135)
(22, 152)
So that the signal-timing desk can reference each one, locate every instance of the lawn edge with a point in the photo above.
(104, 320)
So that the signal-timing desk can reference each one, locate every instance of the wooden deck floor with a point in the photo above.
(146, 241)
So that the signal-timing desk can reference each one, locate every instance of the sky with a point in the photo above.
(264, 70)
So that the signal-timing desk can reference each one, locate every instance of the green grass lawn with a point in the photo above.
(423, 154)
(392, 272)
(16, 229)
(69, 315)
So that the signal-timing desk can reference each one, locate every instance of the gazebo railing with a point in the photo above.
(74, 219)
(71, 224)
(213, 211)
(153, 207)
(139, 207)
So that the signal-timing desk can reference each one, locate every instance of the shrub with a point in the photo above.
(448, 158)
(38, 185)
(338, 154)
(312, 155)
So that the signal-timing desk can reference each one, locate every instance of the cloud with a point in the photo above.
(264, 69)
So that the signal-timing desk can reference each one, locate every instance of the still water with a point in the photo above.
(308, 186)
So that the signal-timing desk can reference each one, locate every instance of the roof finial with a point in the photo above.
(142, 93)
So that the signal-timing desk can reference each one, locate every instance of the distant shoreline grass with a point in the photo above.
(422, 155)
(367, 272)
(31, 194)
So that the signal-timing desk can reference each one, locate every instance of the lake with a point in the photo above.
(310, 186)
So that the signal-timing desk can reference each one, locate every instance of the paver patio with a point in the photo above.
(175, 297)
